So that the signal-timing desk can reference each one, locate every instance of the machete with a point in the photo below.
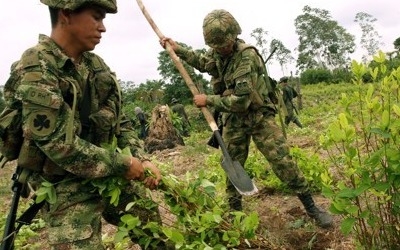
(235, 172)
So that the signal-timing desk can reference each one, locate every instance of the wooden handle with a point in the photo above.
(207, 114)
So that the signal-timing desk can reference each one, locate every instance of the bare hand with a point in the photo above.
(153, 180)
(172, 43)
(200, 100)
(135, 170)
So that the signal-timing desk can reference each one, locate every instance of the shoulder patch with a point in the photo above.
(38, 97)
(32, 76)
(42, 122)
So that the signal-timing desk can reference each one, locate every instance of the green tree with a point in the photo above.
(370, 38)
(175, 86)
(125, 86)
(322, 41)
(396, 43)
(146, 96)
(261, 42)
(282, 54)
(149, 92)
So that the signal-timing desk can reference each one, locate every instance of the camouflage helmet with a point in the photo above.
(220, 28)
(109, 5)
(284, 79)
(138, 110)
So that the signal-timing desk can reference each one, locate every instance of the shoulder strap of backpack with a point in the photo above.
(270, 86)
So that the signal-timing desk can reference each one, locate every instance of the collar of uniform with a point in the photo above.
(53, 48)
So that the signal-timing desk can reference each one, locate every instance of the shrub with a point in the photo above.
(314, 76)
(363, 144)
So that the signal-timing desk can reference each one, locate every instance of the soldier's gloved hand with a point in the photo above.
(153, 178)
(135, 170)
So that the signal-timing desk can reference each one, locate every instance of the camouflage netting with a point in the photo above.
(162, 133)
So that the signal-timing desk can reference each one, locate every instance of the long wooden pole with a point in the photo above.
(207, 114)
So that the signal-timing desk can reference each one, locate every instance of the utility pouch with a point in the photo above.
(31, 157)
(51, 169)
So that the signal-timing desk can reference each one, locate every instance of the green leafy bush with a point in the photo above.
(314, 76)
(363, 145)
(315, 171)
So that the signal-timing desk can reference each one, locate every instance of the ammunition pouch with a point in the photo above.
(101, 127)
(31, 157)
(52, 170)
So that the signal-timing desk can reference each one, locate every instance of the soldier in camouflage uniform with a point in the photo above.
(242, 92)
(288, 93)
(71, 105)
(142, 122)
(179, 109)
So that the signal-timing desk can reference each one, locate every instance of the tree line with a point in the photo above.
(323, 55)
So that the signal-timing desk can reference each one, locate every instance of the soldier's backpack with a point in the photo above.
(294, 92)
(270, 84)
(11, 133)
(11, 136)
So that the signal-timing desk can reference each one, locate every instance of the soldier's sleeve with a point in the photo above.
(46, 121)
(184, 113)
(108, 97)
(128, 138)
(203, 62)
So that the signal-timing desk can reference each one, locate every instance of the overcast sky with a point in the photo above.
(130, 46)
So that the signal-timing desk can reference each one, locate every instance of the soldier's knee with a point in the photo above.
(83, 236)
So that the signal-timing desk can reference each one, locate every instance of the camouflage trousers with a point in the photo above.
(74, 221)
(290, 116)
(269, 139)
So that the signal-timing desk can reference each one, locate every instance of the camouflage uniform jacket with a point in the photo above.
(289, 93)
(51, 90)
(239, 82)
(180, 110)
